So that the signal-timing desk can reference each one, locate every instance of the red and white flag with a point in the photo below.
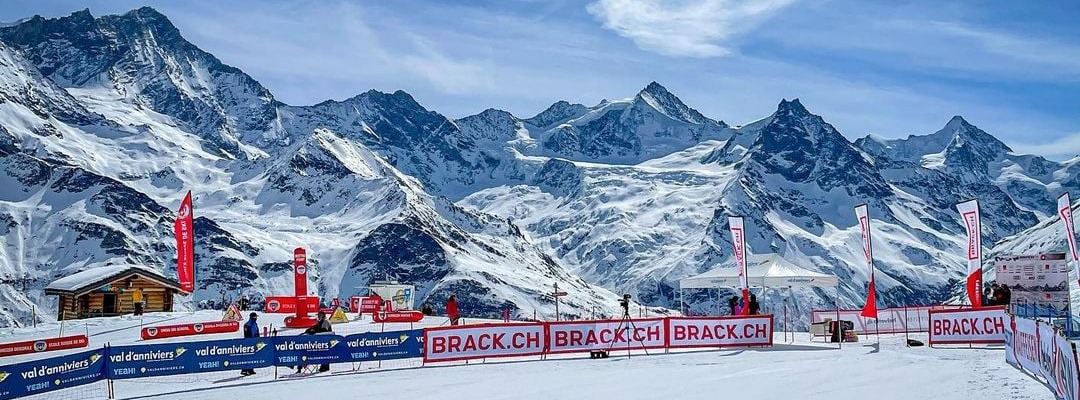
(969, 214)
(870, 309)
(185, 245)
(738, 241)
(1065, 211)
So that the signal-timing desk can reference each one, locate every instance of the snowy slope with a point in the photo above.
(143, 57)
(93, 170)
(652, 124)
(640, 228)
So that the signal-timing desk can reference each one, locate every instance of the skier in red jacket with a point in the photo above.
(451, 310)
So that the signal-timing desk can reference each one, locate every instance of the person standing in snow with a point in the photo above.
(137, 300)
(251, 330)
(452, 310)
(755, 308)
(1006, 295)
(731, 303)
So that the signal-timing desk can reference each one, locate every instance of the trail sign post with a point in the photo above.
(557, 294)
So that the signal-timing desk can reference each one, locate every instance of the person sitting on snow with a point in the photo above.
(322, 326)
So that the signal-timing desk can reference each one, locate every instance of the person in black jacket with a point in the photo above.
(322, 326)
(731, 303)
(251, 330)
(755, 308)
(427, 310)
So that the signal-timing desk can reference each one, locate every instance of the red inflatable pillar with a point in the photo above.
(301, 320)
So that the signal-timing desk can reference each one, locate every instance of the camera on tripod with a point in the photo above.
(625, 303)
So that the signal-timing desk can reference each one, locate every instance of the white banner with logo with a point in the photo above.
(754, 330)
(889, 320)
(969, 215)
(861, 211)
(1037, 348)
(968, 326)
(481, 341)
(572, 336)
(1065, 212)
(738, 243)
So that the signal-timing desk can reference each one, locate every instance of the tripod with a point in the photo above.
(628, 323)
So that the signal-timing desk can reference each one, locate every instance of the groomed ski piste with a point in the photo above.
(793, 368)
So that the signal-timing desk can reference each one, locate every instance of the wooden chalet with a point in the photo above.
(109, 291)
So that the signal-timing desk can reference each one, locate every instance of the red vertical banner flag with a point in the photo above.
(1065, 212)
(185, 245)
(870, 309)
(969, 214)
(300, 271)
(738, 241)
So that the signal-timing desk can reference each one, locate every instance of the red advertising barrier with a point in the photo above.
(451, 343)
(582, 336)
(43, 345)
(398, 316)
(749, 330)
(204, 328)
(364, 304)
(287, 304)
(984, 325)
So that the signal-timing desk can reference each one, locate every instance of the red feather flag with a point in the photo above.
(870, 309)
(185, 245)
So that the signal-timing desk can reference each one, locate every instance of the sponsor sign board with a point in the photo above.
(984, 325)
(578, 336)
(309, 349)
(127, 362)
(373, 346)
(200, 328)
(40, 376)
(483, 341)
(43, 345)
(752, 330)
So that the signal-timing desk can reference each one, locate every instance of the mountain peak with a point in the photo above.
(659, 98)
(559, 112)
(82, 14)
(656, 89)
(792, 107)
(961, 131)
(144, 11)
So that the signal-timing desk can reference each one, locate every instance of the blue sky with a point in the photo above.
(889, 68)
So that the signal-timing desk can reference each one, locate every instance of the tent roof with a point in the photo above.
(763, 270)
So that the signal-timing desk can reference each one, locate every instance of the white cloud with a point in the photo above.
(1063, 148)
(684, 28)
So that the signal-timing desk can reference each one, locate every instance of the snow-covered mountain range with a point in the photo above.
(106, 122)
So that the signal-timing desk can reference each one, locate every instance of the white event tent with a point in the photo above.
(763, 270)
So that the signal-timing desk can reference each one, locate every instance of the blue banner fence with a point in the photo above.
(141, 361)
